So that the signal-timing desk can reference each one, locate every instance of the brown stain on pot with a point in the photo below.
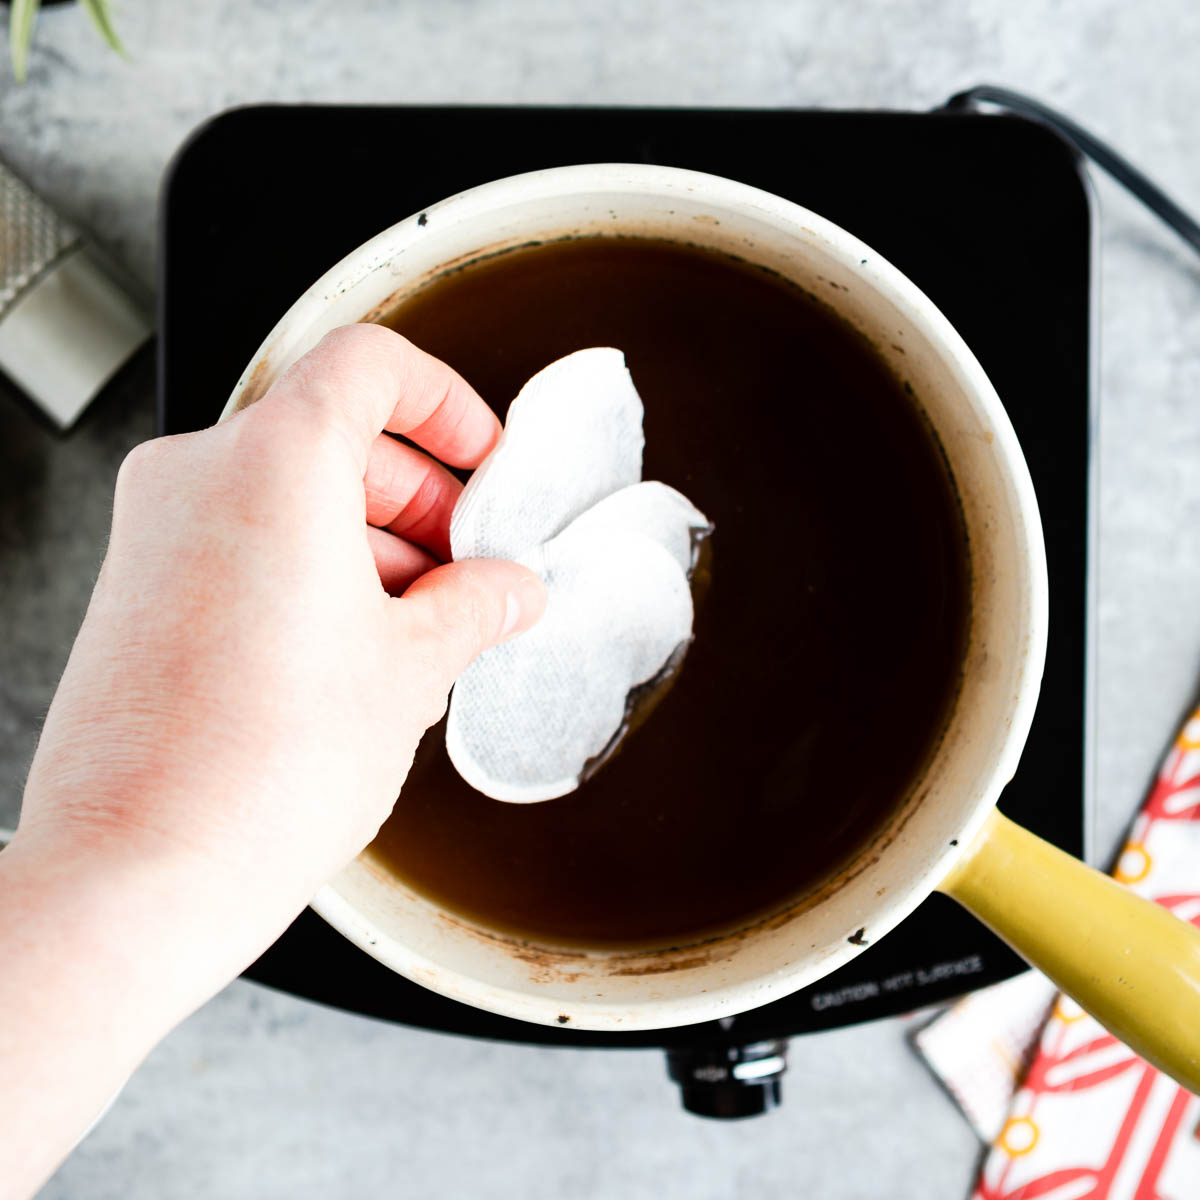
(256, 386)
(664, 966)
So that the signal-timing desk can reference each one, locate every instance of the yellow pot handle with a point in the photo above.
(1129, 962)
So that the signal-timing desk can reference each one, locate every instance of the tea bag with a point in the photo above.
(560, 493)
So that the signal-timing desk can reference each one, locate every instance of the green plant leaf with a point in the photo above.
(101, 15)
(22, 18)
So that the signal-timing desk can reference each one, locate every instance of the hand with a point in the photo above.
(245, 697)
(244, 691)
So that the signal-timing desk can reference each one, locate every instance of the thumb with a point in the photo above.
(461, 609)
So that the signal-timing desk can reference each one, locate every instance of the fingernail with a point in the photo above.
(523, 606)
(512, 615)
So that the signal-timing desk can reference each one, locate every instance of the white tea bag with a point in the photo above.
(572, 436)
(560, 493)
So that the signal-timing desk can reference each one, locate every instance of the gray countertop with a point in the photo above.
(260, 1095)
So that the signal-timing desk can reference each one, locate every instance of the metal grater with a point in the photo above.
(65, 324)
(34, 238)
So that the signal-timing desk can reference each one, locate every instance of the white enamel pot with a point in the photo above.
(945, 832)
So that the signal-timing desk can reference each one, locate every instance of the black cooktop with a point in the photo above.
(990, 216)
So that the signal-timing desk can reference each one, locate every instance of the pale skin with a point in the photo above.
(270, 635)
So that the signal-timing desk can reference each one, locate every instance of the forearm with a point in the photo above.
(101, 954)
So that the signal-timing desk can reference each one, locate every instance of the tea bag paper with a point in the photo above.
(572, 437)
(561, 494)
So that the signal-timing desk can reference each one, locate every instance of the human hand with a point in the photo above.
(244, 698)
(244, 693)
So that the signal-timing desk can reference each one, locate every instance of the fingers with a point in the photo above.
(461, 609)
(410, 495)
(399, 562)
(360, 379)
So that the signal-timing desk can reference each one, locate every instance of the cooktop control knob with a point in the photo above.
(730, 1081)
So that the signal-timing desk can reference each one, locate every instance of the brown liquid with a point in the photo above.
(828, 641)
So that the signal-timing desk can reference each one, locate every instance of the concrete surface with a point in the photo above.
(260, 1095)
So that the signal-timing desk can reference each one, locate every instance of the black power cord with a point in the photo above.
(1104, 156)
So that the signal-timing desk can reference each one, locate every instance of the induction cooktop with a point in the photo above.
(990, 215)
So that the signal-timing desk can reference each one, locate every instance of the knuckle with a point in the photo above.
(341, 338)
(422, 505)
(465, 614)
(458, 621)
(353, 338)
(304, 430)
(149, 480)
(144, 463)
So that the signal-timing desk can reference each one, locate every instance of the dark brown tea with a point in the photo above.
(829, 635)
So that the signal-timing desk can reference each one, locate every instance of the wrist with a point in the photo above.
(76, 1015)
(80, 934)
(103, 952)
(152, 930)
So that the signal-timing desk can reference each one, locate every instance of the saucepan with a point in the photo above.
(1133, 965)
